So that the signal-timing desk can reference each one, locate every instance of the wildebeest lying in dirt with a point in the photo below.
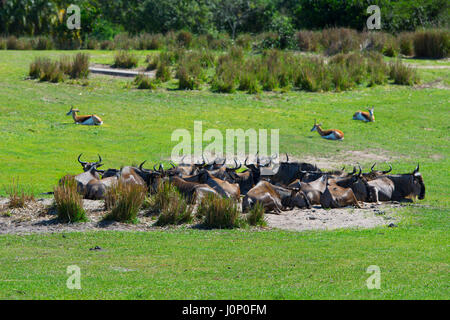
(292, 184)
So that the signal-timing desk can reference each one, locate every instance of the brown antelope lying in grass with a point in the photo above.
(92, 120)
(364, 116)
(332, 134)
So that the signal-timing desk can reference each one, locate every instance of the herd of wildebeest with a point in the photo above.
(278, 186)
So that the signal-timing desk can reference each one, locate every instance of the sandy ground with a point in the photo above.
(38, 217)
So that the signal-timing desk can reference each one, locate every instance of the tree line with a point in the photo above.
(103, 19)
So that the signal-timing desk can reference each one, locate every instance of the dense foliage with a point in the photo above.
(104, 19)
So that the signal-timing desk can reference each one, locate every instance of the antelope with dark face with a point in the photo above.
(88, 120)
(331, 134)
(365, 116)
(373, 174)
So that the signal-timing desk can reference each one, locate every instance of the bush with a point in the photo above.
(403, 74)
(219, 212)
(255, 217)
(339, 40)
(12, 43)
(2, 44)
(391, 47)
(144, 82)
(248, 81)
(80, 66)
(175, 209)
(17, 195)
(147, 41)
(125, 59)
(163, 72)
(161, 199)
(377, 70)
(50, 71)
(432, 44)
(122, 41)
(69, 203)
(406, 44)
(124, 200)
(184, 39)
(308, 40)
(244, 41)
(92, 44)
(42, 43)
(107, 45)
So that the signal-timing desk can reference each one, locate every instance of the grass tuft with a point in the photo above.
(68, 202)
(17, 195)
(219, 212)
(124, 200)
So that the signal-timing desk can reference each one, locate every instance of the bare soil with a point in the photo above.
(39, 217)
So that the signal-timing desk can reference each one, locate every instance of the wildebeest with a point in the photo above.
(335, 196)
(274, 198)
(289, 171)
(224, 188)
(88, 165)
(313, 190)
(191, 190)
(141, 176)
(399, 186)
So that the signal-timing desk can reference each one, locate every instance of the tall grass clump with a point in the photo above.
(339, 40)
(42, 43)
(255, 216)
(144, 82)
(432, 43)
(308, 40)
(377, 69)
(406, 43)
(80, 66)
(219, 212)
(124, 200)
(68, 202)
(403, 74)
(190, 70)
(2, 44)
(17, 195)
(125, 59)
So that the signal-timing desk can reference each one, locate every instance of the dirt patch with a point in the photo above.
(37, 217)
(370, 216)
(437, 84)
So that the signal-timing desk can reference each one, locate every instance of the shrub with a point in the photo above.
(124, 200)
(80, 66)
(248, 81)
(92, 44)
(308, 40)
(406, 43)
(50, 71)
(107, 45)
(12, 43)
(219, 212)
(36, 68)
(377, 70)
(163, 72)
(68, 202)
(255, 217)
(147, 41)
(2, 44)
(161, 199)
(17, 195)
(184, 39)
(339, 40)
(403, 74)
(391, 47)
(175, 211)
(42, 43)
(244, 41)
(144, 82)
(432, 44)
(125, 59)
(122, 41)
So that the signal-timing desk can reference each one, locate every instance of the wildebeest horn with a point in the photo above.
(172, 164)
(99, 158)
(82, 162)
(161, 167)
(224, 160)
(287, 158)
(203, 158)
(343, 168)
(416, 169)
(182, 159)
(354, 169)
(140, 166)
(154, 167)
(245, 162)
(373, 166)
(360, 170)
(390, 169)
(237, 167)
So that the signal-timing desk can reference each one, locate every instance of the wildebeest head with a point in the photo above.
(289, 171)
(150, 177)
(299, 199)
(88, 165)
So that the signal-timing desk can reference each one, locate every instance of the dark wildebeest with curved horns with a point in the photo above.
(289, 171)
(88, 165)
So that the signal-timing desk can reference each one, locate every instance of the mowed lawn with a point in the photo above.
(39, 144)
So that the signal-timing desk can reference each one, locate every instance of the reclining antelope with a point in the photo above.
(332, 134)
(88, 120)
(364, 116)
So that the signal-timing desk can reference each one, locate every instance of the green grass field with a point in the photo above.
(40, 144)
